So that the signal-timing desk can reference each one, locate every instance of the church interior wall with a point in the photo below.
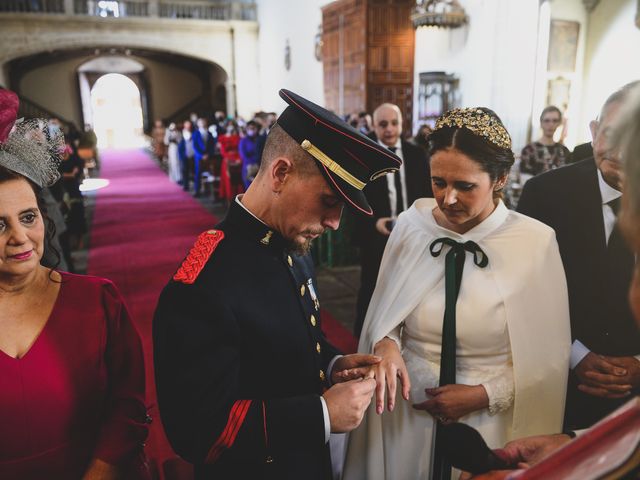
(494, 57)
(297, 22)
(247, 77)
(55, 87)
(171, 88)
(573, 11)
(611, 55)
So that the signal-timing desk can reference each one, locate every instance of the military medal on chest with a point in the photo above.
(312, 292)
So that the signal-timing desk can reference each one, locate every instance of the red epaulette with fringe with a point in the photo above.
(198, 255)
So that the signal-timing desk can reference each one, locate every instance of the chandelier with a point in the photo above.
(439, 13)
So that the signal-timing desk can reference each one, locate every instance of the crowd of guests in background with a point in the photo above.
(64, 198)
(214, 152)
(222, 153)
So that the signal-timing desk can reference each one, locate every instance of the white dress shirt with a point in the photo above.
(391, 184)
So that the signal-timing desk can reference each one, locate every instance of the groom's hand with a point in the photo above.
(354, 366)
(347, 403)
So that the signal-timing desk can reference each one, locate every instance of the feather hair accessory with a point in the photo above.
(29, 148)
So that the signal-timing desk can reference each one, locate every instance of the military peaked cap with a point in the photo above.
(347, 158)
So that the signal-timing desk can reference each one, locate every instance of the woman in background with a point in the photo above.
(172, 138)
(545, 153)
(249, 153)
(72, 170)
(231, 167)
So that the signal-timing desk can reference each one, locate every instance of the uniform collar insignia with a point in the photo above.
(267, 238)
(253, 229)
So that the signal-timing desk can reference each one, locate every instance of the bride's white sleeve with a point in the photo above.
(395, 336)
(501, 391)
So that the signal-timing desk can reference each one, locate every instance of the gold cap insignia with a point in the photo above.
(324, 159)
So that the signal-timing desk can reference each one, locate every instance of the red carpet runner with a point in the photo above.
(143, 225)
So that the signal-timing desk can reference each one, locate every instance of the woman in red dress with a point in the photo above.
(71, 365)
(231, 169)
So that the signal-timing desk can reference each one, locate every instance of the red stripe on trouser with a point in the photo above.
(236, 418)
(223, 436)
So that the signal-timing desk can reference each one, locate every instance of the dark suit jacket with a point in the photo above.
(418, 182)
(371, 242)
(221, 345)
(569, 200)
(582, 151)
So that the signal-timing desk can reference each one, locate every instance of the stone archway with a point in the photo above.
(117, 112)
(171, 85)
(92, 70)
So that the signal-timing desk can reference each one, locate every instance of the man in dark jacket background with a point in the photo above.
(388, 195)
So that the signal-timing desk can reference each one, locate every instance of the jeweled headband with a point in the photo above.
(28, 148)
(479, 122)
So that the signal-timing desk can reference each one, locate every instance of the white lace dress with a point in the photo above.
(483, 356)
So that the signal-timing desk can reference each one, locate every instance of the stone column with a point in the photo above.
(232, 99)
(68, 7)
(235, 11)
(154, 8)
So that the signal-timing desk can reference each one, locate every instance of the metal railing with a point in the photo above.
(176, 9)
(105, 9)
(196, 10)
(32, 6)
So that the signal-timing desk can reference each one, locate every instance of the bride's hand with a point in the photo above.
(387, 372)
(450, 402)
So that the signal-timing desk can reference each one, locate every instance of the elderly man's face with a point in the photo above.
(387, 125)
(607, 156)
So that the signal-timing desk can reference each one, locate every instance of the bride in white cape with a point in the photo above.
(512, 342)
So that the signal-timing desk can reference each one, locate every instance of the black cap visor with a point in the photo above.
(347, 158)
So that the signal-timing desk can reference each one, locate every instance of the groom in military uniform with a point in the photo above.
(248, 386)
